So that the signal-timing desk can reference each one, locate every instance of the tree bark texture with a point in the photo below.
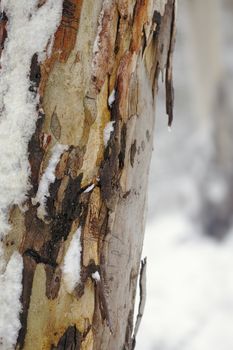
(133, 42)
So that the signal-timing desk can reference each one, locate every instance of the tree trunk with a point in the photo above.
(77, 238)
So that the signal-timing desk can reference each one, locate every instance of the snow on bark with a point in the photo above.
(10, 306)
(89, 188)
(48, 178)
(96, 276)
(111, 98)
(28, 32)
(72, 263)
(109, 128)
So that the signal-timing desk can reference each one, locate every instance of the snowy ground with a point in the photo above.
(190, 289)
(190, 274)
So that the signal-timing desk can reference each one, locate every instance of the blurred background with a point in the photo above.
(189, 234)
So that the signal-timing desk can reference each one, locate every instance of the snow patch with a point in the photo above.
(109, 128)
(48, 178)
(89, 188)
(10, 306)
(96, 276)
(111, 98)
(28, 31)
(72, 263)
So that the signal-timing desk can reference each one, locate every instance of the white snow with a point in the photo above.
(72, 262)
(47, 178)
(10, 306)
(28, 30)
(89, 188)
(111, 98)
(109, 128)
(96, 276)
(190, 288)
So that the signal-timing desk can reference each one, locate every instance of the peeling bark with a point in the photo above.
(3, 31)
(99, 46)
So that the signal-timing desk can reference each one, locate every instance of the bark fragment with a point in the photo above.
(142, 302)
(71, 340)
(64, 38)
(166, 33)
(3, 31)
(169, 68)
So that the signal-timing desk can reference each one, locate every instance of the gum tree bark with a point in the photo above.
(101, 49)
